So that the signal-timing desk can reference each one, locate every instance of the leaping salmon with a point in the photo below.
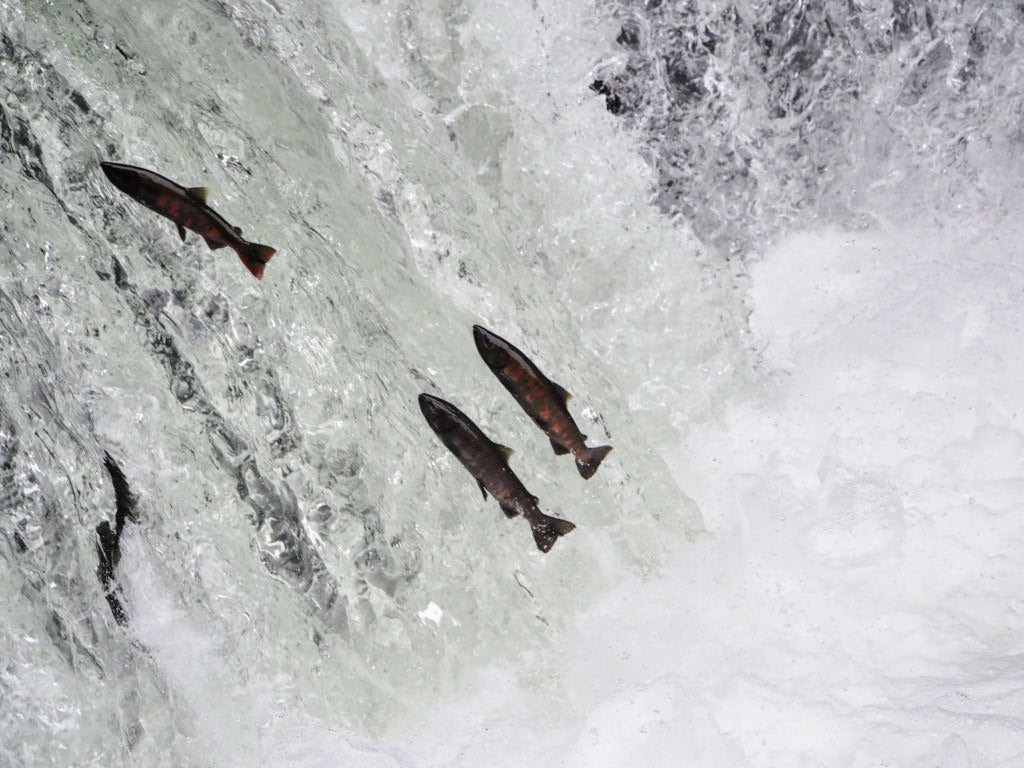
(487, 462)
(187, 208)
(108, 538)
(544, 401)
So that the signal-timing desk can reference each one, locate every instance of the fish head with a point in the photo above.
(436, 411)
(428, 404)
(493, 349)
(120, 176)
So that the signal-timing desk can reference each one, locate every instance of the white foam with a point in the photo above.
(432, 613)
(235, 725)
(860, 600)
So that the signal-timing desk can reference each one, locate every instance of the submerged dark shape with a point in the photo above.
(108, 544)
(544, 401)
(188, 209)
(487, 462)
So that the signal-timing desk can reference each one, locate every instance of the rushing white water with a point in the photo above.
(802, 549)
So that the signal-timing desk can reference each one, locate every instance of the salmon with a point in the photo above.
(544, 401)
(487, 462)
(108, 538)
(187, 208)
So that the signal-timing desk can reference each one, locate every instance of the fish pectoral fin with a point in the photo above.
(563, 393)
(238, 231)
(505, 450)
(482, 489)
(559, 449)
(214, 244)
(198, 193)
(509, 510)
(181, 231)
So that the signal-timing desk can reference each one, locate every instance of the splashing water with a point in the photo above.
(770, 251)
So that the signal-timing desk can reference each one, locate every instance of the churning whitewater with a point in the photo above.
(772, 251)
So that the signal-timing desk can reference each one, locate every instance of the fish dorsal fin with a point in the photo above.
(482, 489)
(198, 193)
(181, 231)
(505, 450)
(562, 392)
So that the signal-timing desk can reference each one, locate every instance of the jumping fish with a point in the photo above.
(543, 400)
(487, 462)
(108, 544)
(187, 208)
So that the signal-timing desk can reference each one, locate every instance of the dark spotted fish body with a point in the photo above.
(487, 462)
(543, 400)
(108, 538)
(188, 209)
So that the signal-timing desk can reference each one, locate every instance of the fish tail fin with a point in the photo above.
(589, 459)
(547, 530)
(255, 257)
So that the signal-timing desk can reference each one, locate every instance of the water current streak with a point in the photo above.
(287, 550)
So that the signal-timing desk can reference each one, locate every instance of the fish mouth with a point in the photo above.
(111, 169)
(431, 406)
(492, 348)
(117, 175)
